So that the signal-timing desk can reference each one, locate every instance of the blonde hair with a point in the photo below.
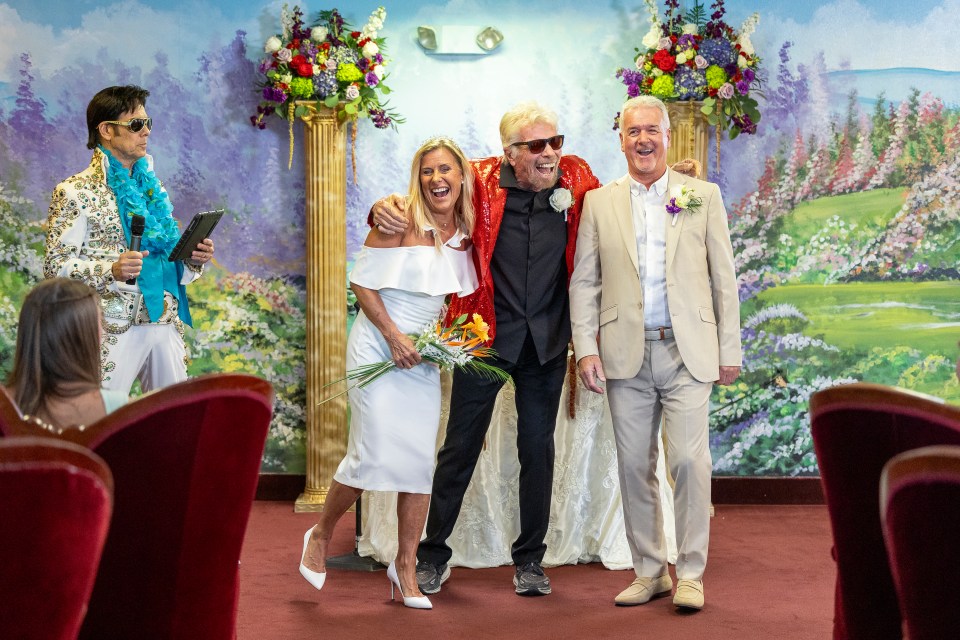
(420, 213)
(520, 116)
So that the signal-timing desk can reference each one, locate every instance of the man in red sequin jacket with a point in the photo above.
(528, 204)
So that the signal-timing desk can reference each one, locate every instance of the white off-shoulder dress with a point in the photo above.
(394, 420)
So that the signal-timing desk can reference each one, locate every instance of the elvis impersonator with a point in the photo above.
(89, 239)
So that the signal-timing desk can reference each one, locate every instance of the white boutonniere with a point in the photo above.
(682, 198)
(561, 200)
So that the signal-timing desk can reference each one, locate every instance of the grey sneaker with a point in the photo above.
(530, 580)
(431, 576)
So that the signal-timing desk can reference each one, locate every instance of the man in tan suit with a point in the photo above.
(655, 315)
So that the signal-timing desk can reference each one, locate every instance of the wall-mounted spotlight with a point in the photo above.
(458, 40)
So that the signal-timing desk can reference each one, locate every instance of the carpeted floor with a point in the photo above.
(769, 576)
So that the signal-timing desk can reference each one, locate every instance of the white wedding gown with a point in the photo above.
(394, 419)
(586, 518)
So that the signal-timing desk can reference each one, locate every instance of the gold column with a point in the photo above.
(325, 153)
(689, 133)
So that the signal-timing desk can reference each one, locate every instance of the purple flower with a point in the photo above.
(616, 121)
(690, 84)
(743, 87)
(672, 207)
(274, 94)
(380, 118)
(633, 90)
(378, 58)
(745, 124)
(362, 64)
(264, 66)
(749, 75)
(686, 41)
(718, 51)
(372, 79)
(325, 84)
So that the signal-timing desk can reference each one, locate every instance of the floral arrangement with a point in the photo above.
(328, 63)
(687, 57)
(682, 198)
(461, 345)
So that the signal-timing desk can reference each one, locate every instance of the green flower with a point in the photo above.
(349, 73)
(716, 76)
(301, 87)
(662, 87)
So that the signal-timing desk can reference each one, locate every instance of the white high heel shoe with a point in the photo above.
(313, 577)
(418, 602)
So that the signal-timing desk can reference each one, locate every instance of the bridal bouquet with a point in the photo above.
(687, 57)
(461, 345)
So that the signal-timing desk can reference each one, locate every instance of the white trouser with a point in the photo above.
(152, 353)
(663, 387)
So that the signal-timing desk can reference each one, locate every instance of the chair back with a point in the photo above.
(856, 429)
(920, 509)
(185, 460)
(56, 499)
(10, 418)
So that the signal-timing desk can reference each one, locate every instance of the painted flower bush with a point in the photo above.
(687, 57)
(328, 63)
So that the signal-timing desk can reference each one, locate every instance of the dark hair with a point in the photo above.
(58, 344)
(108, 104)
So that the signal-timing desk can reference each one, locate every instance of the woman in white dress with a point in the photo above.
(401, 283)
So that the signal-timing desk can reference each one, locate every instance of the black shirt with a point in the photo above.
(530, 273)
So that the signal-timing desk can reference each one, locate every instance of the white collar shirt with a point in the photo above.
(649, 208)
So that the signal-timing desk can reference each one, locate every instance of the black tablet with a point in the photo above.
(199, 228)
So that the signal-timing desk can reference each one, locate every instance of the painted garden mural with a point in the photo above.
(844, 205)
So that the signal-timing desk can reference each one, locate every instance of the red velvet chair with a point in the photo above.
(856, 429)
(56, 499)
(920, 512)
(185, 460)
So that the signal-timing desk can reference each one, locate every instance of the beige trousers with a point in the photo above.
(663, 389)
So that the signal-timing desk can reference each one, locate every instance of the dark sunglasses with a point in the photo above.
(135, 124)
(537, 146)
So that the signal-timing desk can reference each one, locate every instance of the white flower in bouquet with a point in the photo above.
(690, 29)
(352, 92)
(652, 39)
(330, 64)
(319, 34)
(378, 71)
(745, 45)
(272, 44)
(370, 49)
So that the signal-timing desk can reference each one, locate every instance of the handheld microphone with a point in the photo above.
(137, 225)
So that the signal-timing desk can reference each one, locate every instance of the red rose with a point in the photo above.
(664, 60)
(712, 92)
(355, 34)
(301, 66)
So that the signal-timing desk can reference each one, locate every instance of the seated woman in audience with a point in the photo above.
(401, 282)
(56, 369)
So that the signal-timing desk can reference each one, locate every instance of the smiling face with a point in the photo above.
(441, 180)
(644, 140)
(125, 145)
(535, 171)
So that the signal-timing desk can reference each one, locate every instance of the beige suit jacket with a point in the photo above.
(606, 296)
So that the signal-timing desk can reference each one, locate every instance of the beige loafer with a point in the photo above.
(643, 590)
(689, 594)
